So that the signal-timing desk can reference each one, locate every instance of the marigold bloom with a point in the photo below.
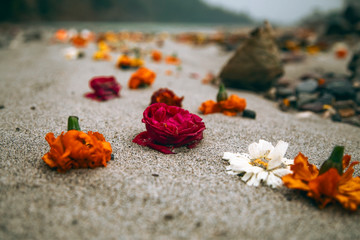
(136, 63)
(79, 41)
(327, 187)
(164, 95)
(76, 149)
(156, 56)
(229, 107)
(102, 55)
(124, 62)
(141, 78)
(173, 60)
(61, 35)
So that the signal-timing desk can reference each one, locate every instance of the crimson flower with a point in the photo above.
(105, 88)
(168, 127)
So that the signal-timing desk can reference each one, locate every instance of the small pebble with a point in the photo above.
(112, 157)
(249, 114)
(336, 117)
(168, 217)
(155, 175)
(32, 108)
(2, 106)
(17, 129)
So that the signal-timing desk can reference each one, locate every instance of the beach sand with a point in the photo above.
(192, 197)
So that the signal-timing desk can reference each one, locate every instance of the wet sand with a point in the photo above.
(143, 194)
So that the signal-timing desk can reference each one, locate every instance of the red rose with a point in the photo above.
(164, 95)
(168, 127)
(105, 88)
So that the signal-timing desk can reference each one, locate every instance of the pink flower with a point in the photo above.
(168, 127)
(105, 88)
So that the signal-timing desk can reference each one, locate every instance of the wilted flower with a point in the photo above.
(156, 55)
(105, 88)
(328, 184)
(168, 127)
(143, 77)
(263, 164)
(164, 95)
(76, 149)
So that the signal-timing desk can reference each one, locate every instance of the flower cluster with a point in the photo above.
(329, 183)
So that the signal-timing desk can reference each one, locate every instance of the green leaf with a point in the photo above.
(73, 123)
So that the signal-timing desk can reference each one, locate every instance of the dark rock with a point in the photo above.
(249, 114)
(346, 112)
(17, 129)
(313, 107)
(256, 64)
(336, 117)
(304, 98)
(308, 86)
(327, 99)
(341, 89)
(344, 104)
(357, 98)
(2, 106)
(112, 156)
(283, 92)
(355, 120)
(32, 108)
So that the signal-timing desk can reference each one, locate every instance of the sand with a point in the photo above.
(191, 196)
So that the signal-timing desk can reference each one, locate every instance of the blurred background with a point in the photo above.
(282, 12)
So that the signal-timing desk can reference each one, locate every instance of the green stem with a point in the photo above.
(73, 123)
(334, 161)
(222, 94)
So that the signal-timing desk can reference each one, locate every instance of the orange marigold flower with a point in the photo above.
(327, 187)
(61, 35)
(79, 41)
(123, 62)
(174, 60)
(76, 149)
(141, 78)
(156, 55)
(102, 55)
(164, 95)
(229, 107)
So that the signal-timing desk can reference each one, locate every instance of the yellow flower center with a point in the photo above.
(260, 162)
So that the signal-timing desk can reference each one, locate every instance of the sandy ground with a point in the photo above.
(192, 198)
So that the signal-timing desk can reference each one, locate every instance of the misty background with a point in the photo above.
(197, 11)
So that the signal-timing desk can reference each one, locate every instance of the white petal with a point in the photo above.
(281, 172)
(277, 154)
(262, 176)
(247, 176)
(229, 155)
(253, 181)
(258, 150)
(273, 181)
(288, 161)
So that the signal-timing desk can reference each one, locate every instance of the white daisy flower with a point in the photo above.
(264, 163)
